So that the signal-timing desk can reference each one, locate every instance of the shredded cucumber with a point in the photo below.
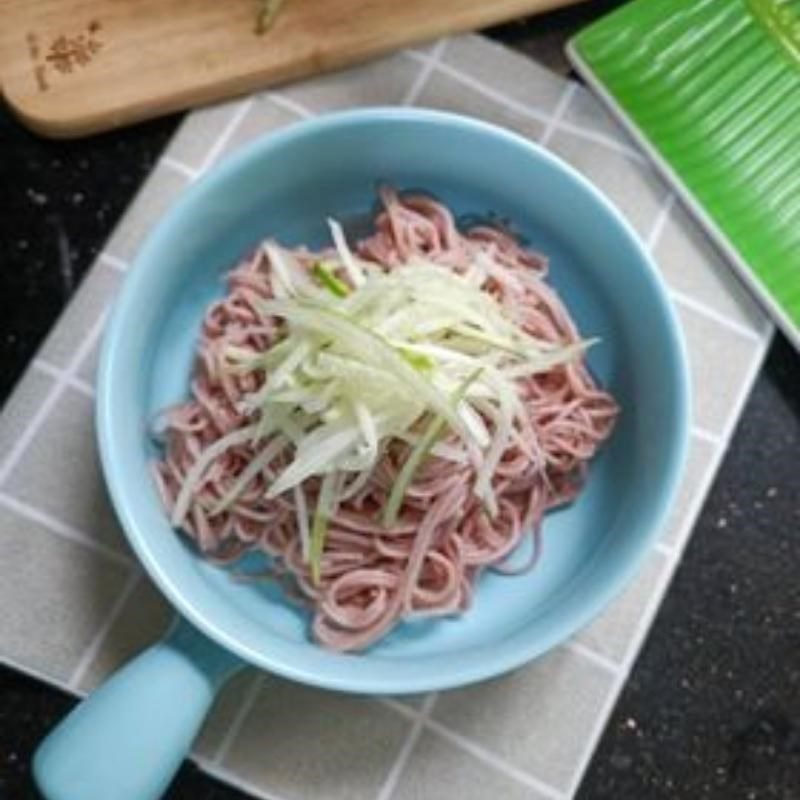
(370, 356)
(417, 455)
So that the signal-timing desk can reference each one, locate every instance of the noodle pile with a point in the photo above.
(427, 562)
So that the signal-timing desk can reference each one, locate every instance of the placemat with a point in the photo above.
(77, 605)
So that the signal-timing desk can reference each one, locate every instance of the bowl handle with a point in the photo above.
(127, 739)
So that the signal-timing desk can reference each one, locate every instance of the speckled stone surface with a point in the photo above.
(712, 708)
(58, 203)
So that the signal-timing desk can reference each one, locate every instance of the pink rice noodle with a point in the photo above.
(427, 564)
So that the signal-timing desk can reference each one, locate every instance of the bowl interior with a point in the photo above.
(286, 186)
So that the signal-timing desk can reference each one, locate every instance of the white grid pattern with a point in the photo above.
(531, 113)
(42, 365)
(424, 74)
(112, 261)
(468, 745)
(66, 378)
(232, 732)
(396, 771)
(11, 459)
(61, 528)
(561, 108)
(94, 646)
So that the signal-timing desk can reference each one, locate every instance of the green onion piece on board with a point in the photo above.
(267, 11)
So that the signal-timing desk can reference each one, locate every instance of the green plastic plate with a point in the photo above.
(711, 89)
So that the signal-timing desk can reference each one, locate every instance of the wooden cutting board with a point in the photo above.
(73, 67)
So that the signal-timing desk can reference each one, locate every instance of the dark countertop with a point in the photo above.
(712, 708)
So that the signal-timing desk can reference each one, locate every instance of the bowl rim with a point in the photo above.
(516, 649)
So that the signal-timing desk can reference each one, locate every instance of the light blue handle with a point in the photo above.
(127, 740)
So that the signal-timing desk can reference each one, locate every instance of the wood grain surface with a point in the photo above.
(73, 67)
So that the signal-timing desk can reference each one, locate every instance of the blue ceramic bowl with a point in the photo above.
(286, 185)
(127, 740)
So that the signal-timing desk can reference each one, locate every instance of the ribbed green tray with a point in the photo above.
(711, 88)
